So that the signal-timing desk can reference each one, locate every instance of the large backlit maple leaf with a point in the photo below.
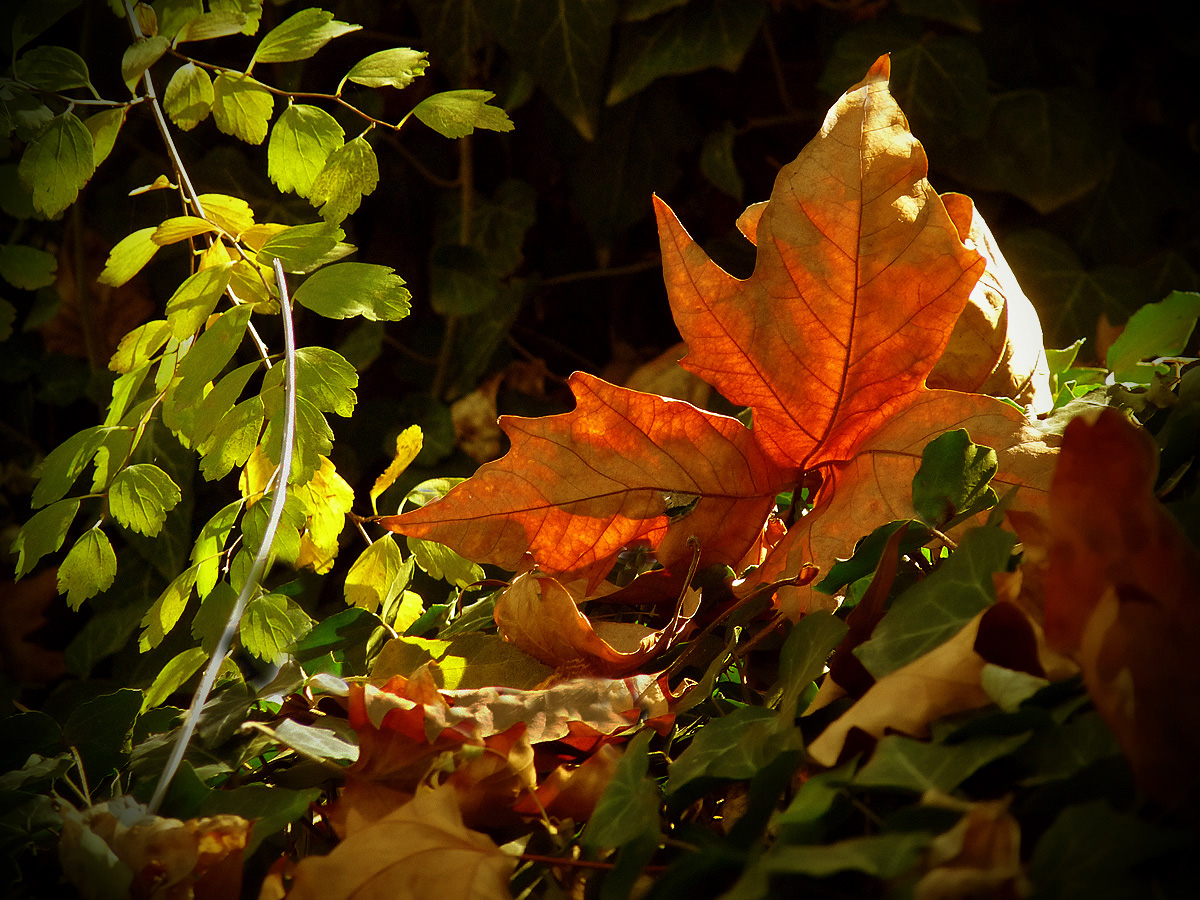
(860, 280)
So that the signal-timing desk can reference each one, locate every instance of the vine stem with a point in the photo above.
(259, 566)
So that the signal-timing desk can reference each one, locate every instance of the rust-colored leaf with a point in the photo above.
(419, 850)
(1122, 593)
(578, 487)
(539, 615)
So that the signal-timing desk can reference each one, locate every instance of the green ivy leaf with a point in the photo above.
(628, 808)
(300, 36)
(138, 347)
(242, 107)
(43, 533)
(189, 97)
(141, 496)
(396, 68)
(271, 808)
(104, 127)
(908, 764)
(456, 114)
(89, 568)
(883, 856)
(734, 747)
(301, 248)
(351, 289)
(935, 609)
(140, 56)
(705, 34)
(129, 257)
(53, 69)
(194, 300)
(57, 164)
(164, 615)
(952, 482)
(27, 268)
(323, 378)
(803, 656)
(564, 46)
(272, 623)
(1157, 329)
(350, 173)
(377, 576)
(301, 141)
(173, 675)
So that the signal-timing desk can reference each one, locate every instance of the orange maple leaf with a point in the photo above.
(861, 279)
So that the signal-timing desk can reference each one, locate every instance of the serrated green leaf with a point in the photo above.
(210, 544)
(43, 533)
(439, 561)
(141, 496)
(194, 300)
(218, 401)
(300, 36)
(140, 56)
(173, 675)
(301, 141)
(242, 107)
(104, 127)
(164, 615)
(350, 173)
(214, 24)
(139, 346)
(180, 228)
(27, 268)
(129, 257)
(204, 361)
(57, 164)
(908, 764)
(314, 437)
(301, 248)
(396, 68)
(124, 389)
(456, 114)
(271, 624)
(216, 606)
(708, 33)
(233, 440)
(53, 69)
(189, 96)
(64, 464)
(1157, 329)
(377, 576)
(564, 46)
(173, 15)
(351, 289)
(231, 214)
(935, 609)
(88, 569)
(953, 480)
(323, 378)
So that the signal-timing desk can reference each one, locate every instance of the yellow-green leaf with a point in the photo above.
(57, 164)
(301, 141)
(129, 257)
(180, 228)
(408, 445)
(53, 69)
(300, 36)
(230, 214)
(139, 346)
(242, 107)
(141, 496)
(164, 614)
(272, 622)
(140, 56)
(173, 675)
(104, 127)
(89, 568)
(194, 301)
(377, 576)
(456, 114)
(395, 68)
(215, 24)
(350, 173)
(43, 533)
(189, 96)
(351, 289)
